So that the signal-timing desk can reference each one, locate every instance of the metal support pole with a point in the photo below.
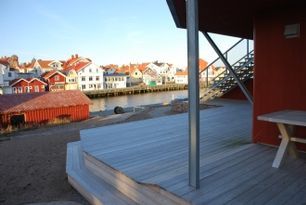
(229, 68)
(207, 77)
(193, 91)
(248, 47)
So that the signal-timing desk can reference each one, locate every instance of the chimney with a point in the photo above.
(72, 56)
(76, 56)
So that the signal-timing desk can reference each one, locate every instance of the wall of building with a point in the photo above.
(40, 86)
(280, 70)
(57, 82)
(74, 113)
(115, 81)
(20, 87)
(92, 71)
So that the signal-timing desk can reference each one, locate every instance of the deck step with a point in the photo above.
(94, 189)
(142, 193)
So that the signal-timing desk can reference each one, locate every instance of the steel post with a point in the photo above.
(193, 91)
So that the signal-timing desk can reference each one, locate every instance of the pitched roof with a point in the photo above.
(51, 73)
(15, 81)
(35, 79)
(34, 101)
(28, 80)
(79, 66)
(4, 62)
(44, 63)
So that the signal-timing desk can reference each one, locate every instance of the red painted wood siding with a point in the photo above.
(57, 78)
(57, 82)
(23, 84)
(74, 113)
(37, 84)
(280, 70)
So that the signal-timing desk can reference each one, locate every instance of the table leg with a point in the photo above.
(285, 143)
(291, 147)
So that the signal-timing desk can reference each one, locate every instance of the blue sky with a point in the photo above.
(107, 31)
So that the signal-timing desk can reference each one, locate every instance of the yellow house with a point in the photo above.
(71, 80)
(136, 73)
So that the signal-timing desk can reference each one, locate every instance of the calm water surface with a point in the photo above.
(101, 104)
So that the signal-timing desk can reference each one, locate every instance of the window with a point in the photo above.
(97, 70)
(97, 78)
(83, 87)
(83, 78)
(9, 74)
(43, 87)
(36, 88)
(90, 70)
(90, 78)
(14, 90)
(90, 86)
(56, 78)
(27, 89)
(19, 89)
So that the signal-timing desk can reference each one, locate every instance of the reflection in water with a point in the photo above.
(101, 104)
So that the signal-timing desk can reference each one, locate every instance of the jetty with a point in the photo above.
(134, 90)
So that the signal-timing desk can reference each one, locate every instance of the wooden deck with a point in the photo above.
(154, 153)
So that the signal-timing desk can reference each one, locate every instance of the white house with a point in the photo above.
(7, 74)
(181, 77)
(115, 80)
(151, 78)
(89, 75)
(164, 70)
(38, 67)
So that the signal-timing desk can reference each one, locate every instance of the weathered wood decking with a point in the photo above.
(233, 170)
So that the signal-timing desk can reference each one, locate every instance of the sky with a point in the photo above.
(106, 31)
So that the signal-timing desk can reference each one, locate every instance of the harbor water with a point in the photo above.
(108, 103)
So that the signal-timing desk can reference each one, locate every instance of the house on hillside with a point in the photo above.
(136, 73)
(34, 108)
(115, 80)
(181, 77)
(7, 74)
(56, 80)
(71, 80)
(31, 85)
(38, 67)
(151, 78)
(90, 76)
(164, 70)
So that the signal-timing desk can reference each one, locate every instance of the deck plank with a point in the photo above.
(232, 170)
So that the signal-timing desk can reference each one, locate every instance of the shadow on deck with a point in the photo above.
(145, 162)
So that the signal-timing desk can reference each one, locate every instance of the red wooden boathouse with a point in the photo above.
(31, 108)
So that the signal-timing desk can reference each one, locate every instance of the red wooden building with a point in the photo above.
(55, 79)
(278, 29)
(30, 85)
(32, 108)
